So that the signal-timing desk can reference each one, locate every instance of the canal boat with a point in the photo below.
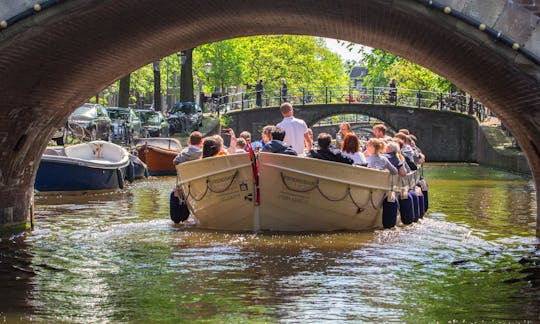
(296, 194)
(96, 165)
(137, 168)
(158, 154)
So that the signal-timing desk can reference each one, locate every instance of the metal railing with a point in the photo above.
(452, 101)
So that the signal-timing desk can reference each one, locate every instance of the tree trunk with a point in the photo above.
(157, 89)
(123, 96)
(186, 78)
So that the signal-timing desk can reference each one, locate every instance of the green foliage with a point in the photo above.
(304, 61)
(383, 66)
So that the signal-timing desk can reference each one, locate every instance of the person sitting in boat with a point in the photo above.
(418, 156)
(350, 147)
(276, 145)
(325, 153)
(193, 151)
(211, 147)
(344, 129)
(247, 137)
(240, 146)
(406, 150)
(379, 131)
(393, 154)
(375, 159)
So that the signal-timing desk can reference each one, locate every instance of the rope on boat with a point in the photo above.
(209, 188)
(360, 208)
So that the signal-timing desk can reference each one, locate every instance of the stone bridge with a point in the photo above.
(57, 54)
(443, 135)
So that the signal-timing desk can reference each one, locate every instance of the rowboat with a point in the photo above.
(296, 194)
(96, 165)
(158, 154)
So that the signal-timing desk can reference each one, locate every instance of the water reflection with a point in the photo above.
(116, 257)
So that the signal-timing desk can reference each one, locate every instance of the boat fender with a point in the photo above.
(415, 205)
(420, 195)
(424, 185)
(406, 209)
(130, 172)
(390, 208)
(420, 202)
(120, 176)
(179, 210)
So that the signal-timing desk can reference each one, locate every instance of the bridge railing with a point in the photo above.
(368, 95)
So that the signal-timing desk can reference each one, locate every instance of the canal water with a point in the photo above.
(118, 258)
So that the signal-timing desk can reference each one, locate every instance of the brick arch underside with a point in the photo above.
(51, 62)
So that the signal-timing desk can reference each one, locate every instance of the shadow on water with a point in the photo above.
(117, 257)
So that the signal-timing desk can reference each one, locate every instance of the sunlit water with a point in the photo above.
(118, 258)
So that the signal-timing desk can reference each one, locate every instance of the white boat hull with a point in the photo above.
(220, 191)
(300, 194)
(296, 194)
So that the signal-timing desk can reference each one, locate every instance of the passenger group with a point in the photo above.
(397, 155)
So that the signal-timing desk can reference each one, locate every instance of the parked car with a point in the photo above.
(185, 117)
(126, 124)
(154, 123)
(93, 118)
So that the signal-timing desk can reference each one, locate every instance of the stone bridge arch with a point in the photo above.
(56, 54)
(442, 135)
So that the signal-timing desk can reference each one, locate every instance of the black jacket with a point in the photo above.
(275, 146)
(329, 155)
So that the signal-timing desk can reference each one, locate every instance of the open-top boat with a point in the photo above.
(96, 165)
(158, 154)
(296, 194)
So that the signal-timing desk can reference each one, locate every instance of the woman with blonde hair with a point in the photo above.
(393, 153)
(350, 147)
(375, 159)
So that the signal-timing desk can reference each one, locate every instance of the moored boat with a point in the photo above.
(158, 154)
(296, 194)
(96, 165)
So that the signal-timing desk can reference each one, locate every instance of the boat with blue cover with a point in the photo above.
(96, 165)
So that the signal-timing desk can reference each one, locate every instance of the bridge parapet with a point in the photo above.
(414, 98)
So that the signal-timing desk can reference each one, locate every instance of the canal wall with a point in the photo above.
(492, 150)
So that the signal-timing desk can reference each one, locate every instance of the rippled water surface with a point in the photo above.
(118, 258)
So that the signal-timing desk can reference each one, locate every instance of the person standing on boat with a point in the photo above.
(193, 151)
(259, 93)
(325, 153)
(296, 130)
(276, 145)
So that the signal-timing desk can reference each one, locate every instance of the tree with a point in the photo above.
(186, 77)
(123, 95)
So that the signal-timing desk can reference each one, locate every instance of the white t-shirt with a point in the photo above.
(294, 133)
(357, 157)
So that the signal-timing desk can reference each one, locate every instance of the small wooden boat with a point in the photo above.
(97, 165)
(158, 154)
(296, 194)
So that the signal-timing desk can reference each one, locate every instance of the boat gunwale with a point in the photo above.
(106, 164)
(236, 167)
(351, 183)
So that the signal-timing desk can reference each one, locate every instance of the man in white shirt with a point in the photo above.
(296, 130)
